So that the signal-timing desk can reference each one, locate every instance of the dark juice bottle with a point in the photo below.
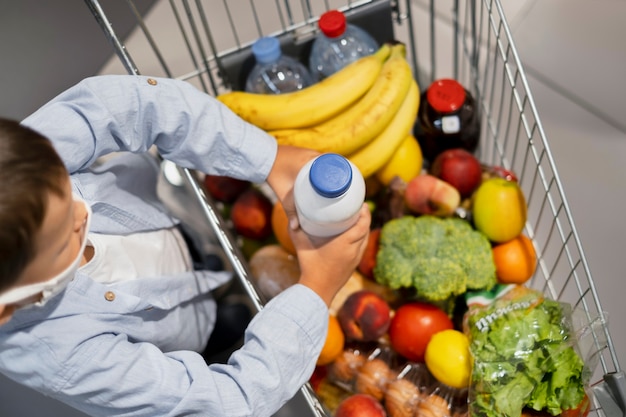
(447, 118)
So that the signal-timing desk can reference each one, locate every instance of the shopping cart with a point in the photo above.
(207, 43)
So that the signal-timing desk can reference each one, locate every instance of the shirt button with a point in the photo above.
(152, 81)
(109, 296)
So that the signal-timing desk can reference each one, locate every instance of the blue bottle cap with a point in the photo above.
(330, 175)
(266, 49)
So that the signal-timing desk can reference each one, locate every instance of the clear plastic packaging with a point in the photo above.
(328, 192)
(274, 72)
(526, 354)
(338, 44)
(405, 389)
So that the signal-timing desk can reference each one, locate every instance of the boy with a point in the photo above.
(99, 304)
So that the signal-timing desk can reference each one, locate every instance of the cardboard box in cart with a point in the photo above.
(208, 44)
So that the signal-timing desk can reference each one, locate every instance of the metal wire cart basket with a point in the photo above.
(207, 43)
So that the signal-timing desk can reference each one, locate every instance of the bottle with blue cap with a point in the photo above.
(275, 72)
(328, 192)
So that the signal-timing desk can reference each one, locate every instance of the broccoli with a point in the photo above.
(440, 258)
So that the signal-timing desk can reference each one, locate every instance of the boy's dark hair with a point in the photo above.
(30, 168)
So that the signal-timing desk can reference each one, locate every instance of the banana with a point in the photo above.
(311, 105)
(376, 153)
(365, 119)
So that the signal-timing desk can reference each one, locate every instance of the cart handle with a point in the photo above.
(611, 394)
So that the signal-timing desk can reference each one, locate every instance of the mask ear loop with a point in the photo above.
(23, 296)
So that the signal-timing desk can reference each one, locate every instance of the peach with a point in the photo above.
(251, 214)
(360, 405)
(427, 194)
(364, 316)
(459, 168)
(225, 189)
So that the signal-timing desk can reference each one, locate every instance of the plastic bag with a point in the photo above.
(405, 389)
(525, 354)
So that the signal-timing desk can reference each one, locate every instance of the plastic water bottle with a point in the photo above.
(338, 44)
(274, 72)
(328, 192)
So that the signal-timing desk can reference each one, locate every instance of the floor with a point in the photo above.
(575, 60)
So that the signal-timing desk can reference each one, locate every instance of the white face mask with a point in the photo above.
(54, 285)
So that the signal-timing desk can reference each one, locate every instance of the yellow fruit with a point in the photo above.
(312, 105)
(364, 120)
(448, 358)
(379, 151)
(334, 343)
(499, 209)
(406, 162)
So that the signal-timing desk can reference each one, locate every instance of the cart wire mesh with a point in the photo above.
(208, 44)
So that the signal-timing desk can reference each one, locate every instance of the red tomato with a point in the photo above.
(581, 411)
(412, 327)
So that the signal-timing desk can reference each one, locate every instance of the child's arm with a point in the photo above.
(107, 114)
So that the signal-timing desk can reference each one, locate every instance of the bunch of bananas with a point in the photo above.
(363, 111)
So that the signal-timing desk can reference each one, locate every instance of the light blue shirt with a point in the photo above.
(129, 348)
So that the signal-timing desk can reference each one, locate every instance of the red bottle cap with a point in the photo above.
(446, 95)
(332, 23)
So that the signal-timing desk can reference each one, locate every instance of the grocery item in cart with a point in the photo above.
(448, 118)
(338, 44)
(525, 354)
(485, 58)
(275, 72)
(328, 192)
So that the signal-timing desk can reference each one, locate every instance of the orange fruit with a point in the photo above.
(280, 227)
(515, 260)
(334, 343)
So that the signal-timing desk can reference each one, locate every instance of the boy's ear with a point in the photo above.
(6, 312)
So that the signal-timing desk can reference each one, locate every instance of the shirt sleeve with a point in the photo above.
(113, 113)
(108, 374)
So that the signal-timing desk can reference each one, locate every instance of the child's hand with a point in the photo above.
(289, 161)
(326, 264)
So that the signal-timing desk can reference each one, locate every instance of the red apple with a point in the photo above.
(413, 325)
(320, 373)
(364, 316)
(459, 168)
(225, 189)
(368, 260)
(251, 214)
(427, 194)
(360, 405)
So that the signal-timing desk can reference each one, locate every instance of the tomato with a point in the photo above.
(412, 327)
(581, 411)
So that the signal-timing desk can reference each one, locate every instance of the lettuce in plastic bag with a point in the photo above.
(524, 355)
